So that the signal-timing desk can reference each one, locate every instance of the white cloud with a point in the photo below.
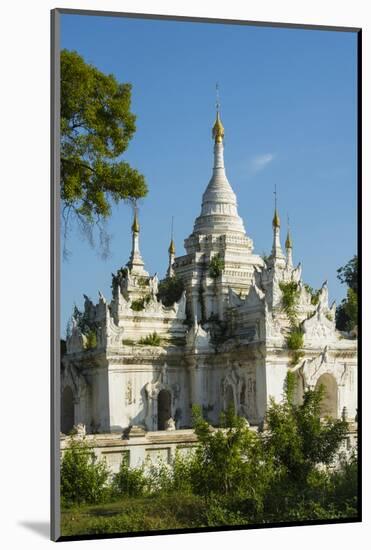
(259, 162)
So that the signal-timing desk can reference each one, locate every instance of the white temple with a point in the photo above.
(134, 364)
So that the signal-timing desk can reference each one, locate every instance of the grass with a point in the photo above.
(131, 514)
(151, 340)
(173, 511)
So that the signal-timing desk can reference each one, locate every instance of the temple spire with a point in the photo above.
(170, 269)
(276, 223)
(219, 204)
(218, 128)
(288, 244)
(135, 263)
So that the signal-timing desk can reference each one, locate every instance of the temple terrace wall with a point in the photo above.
(139, 446)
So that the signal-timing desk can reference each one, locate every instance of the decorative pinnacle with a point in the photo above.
(218, 128)
(276, 219)
(172, 244)
(135, 227)
(288, 243)
(172, 247)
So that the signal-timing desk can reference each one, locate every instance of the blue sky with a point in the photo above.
(288, 105)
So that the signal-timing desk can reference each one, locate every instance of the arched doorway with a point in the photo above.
(163, 409)
(329, 403)
(67, 410)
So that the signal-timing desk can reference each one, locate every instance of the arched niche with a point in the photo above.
(67, 410)
(329, 403)
(163, 408)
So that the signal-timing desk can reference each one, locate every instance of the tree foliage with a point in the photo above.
(170, 290)
(237, 476)
(129, 481)
(347, 311)
(216, 266)
(96, 128)
(83, 478)
(348, 274)
(299, 440)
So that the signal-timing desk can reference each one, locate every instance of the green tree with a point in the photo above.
(348, 274)
(228, 467)
(347, 311)
(96, 128)
(83, 478)
(300, 445)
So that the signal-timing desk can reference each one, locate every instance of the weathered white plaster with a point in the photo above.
(222, 343)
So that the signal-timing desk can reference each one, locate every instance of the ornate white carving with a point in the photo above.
(129, 393)
(170, 425)
(80, 430)
(76, 341)
(319, 328)
(234, 299)
(198, 339)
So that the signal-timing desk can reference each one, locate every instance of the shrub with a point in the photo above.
(91, 340)
(228, 463)
(143, 281)
(314, 294)
(216, 266)
(175, 477)
(297, 439)
(295, 339)
(170, 290)
(290, 295)
(83, 478)
(129, 481)
(140, 304)
(151, 340)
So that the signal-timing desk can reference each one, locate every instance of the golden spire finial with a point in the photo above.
(276, 219)
(218, 128)
(172, 244)
(135, 227)
(288, 243)
(172, 247)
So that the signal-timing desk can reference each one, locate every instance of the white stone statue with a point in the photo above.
(80, 429)
(170, 425)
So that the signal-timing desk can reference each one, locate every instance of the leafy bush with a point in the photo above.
(314, 294)
(344, 485)
(143, 281)
(229, 462)
(347, 311)
(91, 340)
(175, 477)
(216, 266)
(290, 295)
(140, 304)
(170, 290)
(83, 478)
(298, 439)
(129, 481)
(295, 339)
(233, 476)
(151, 340)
